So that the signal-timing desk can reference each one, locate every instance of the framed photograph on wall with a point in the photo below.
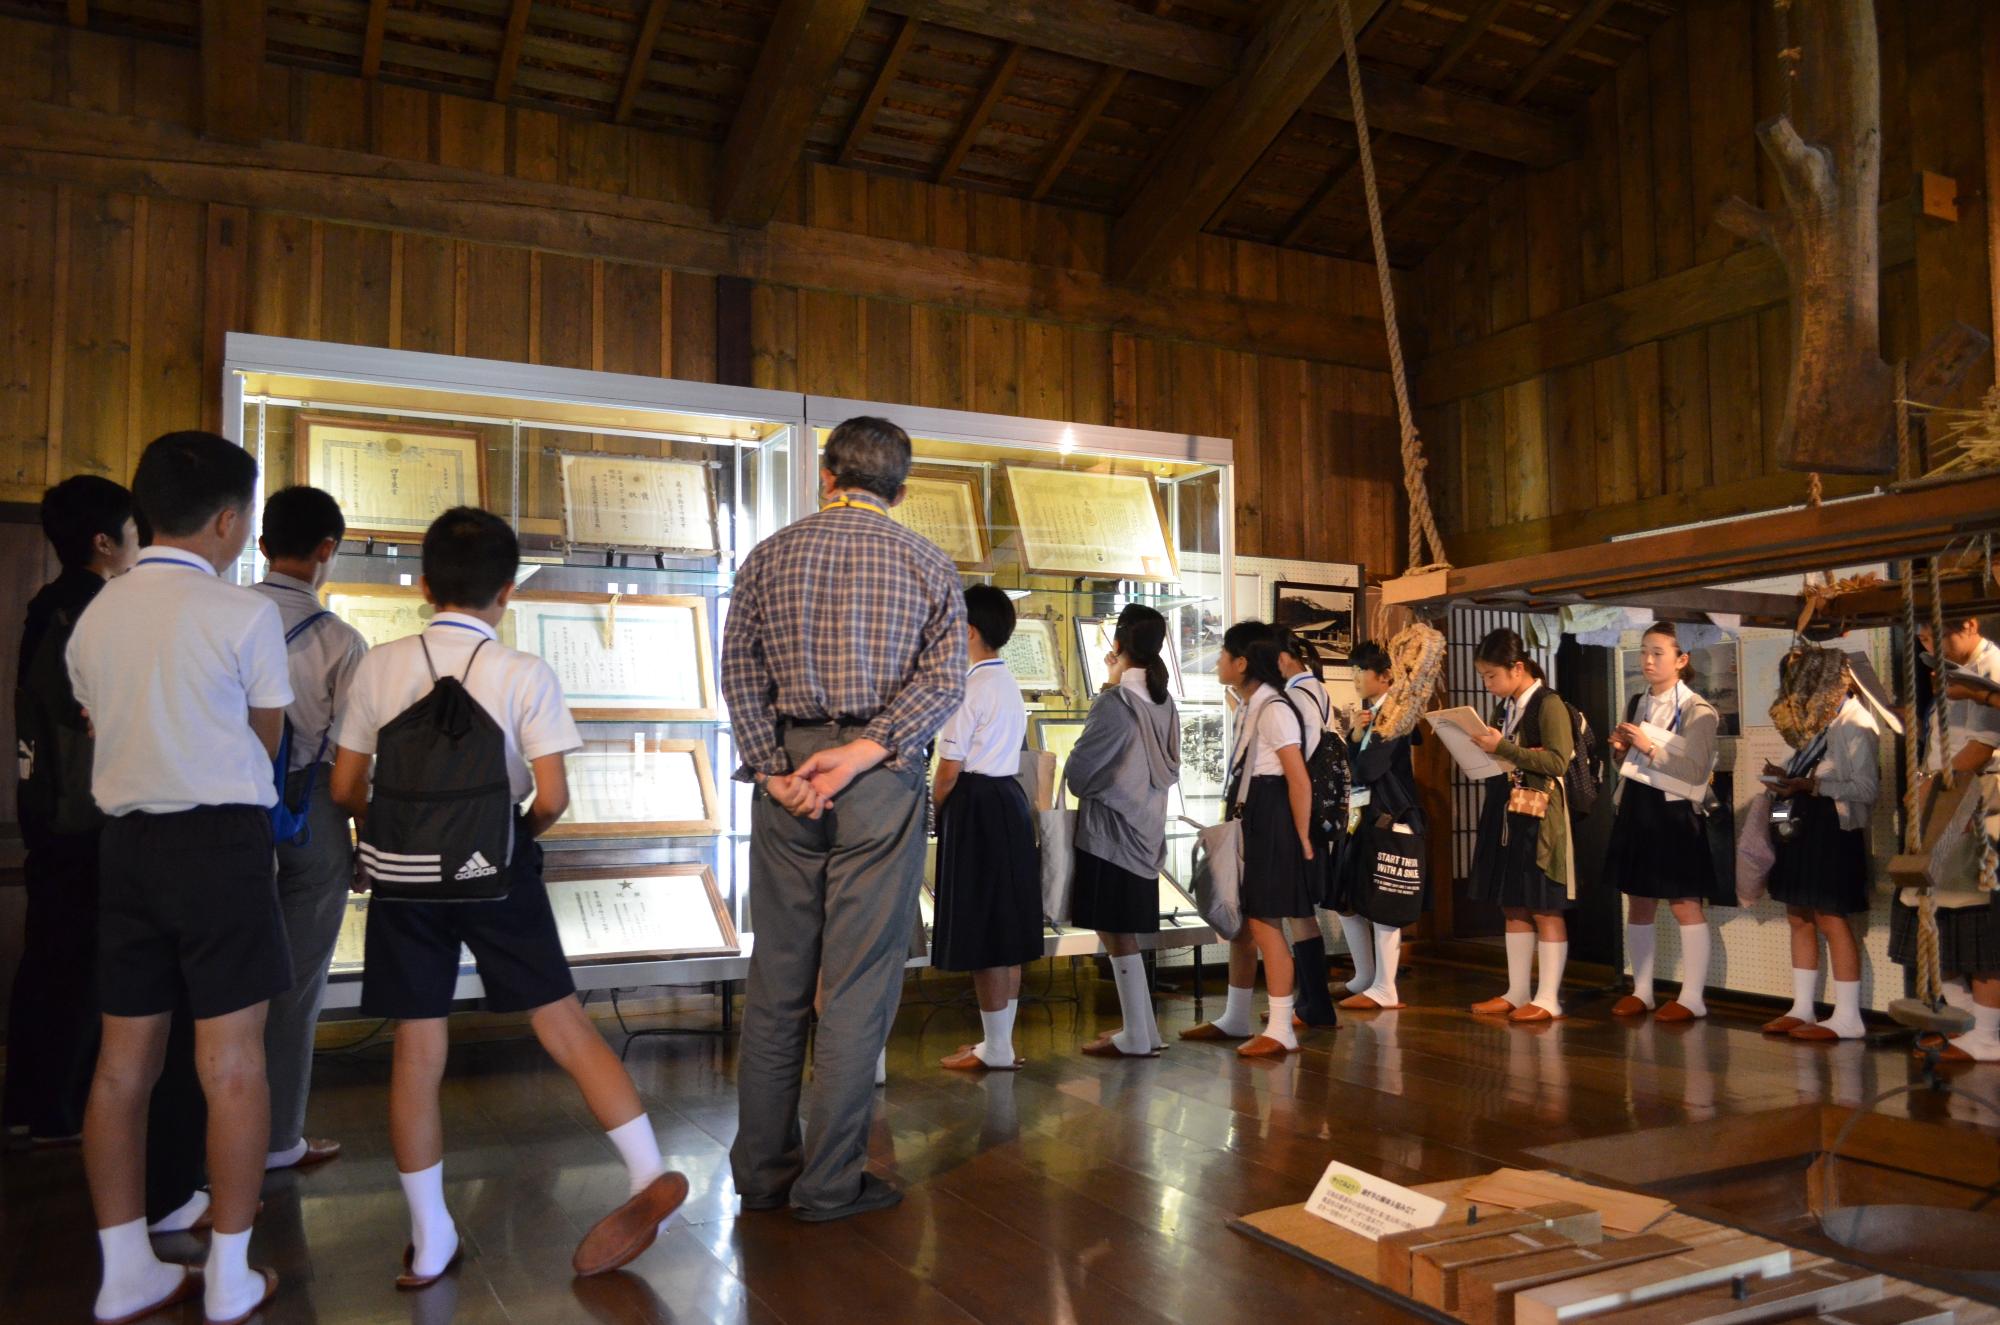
(1056, 733)
(1096, 638)
(618, 789)
(1034, 657)
(1323, 615)
(391, 480)
(945, 508)
(638, 504)
(659, 912)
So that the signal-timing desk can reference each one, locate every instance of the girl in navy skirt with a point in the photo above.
(1659, 840)
(989, 884)
(1271, 792)
(1521, 859)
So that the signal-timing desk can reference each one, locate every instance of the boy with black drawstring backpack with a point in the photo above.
(454, 730)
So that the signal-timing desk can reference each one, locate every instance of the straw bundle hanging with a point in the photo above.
(1812, 686)
(1416, 661)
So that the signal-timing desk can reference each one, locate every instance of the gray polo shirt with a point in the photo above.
(322, 659)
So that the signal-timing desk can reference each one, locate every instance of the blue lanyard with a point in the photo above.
(168, 559)
(989, 662)
(458, 625)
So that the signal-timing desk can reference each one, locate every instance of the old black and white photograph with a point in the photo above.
(1320, 614)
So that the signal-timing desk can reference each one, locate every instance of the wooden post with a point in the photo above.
(232, 70)
(1838, 405)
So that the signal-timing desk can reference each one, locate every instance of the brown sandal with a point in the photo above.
(270, 1291)
(409, 1283)
(188, 1287)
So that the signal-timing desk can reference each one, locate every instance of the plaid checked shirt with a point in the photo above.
(843, 614)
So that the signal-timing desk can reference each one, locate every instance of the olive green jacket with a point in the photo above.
(1542, 768)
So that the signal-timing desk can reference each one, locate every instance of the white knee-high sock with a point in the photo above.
(1135, 1005)
(1983, 1040)
(1236, 1013)
(1639, 944)
(1279, 1024)
(1804, 984)
(1696, 940)
(1548, 993)
(133, 1276)
(433, 1236)
(1520, 966)
(1388, 953)
(640, 1150)
(1846, 1019)
(882, 1066)
(1354, 929)
(997, 1049)
(229, 1287)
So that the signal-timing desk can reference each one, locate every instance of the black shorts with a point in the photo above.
(190, 899)
(411, 968)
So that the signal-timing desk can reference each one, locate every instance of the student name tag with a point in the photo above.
(1370, 1206)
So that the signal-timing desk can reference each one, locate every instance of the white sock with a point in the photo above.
(1696, 939)
(1388, 952)
(1548, 994)
(1135, 1005)
(882, 1067)
(1639, 945)
(432, 1233)
(284, 1159)
(1804, 983)
(1983, 1040)
(133, 1276)
(229, 1286)
(1236, 1013)
(183, 1219)
(997, 1049)
(1359, 947)
(1153, 1026)
(1957, 993)
(1846, 1019)
(1279, 1025)
(640, 1150)
(1520, 966)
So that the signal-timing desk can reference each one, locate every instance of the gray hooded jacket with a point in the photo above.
(1120, 769)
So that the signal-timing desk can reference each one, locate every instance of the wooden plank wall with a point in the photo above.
(1679, 427)
(114, 305)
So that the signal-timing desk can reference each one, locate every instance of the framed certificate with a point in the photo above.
(641, 658)
(391, 482)
(634, 503)
(1096, 639)
(1103, 526)
(1057, 733)
(609, 913)
(619, 790)
(945, 509)
(1033, 656)
(385, 612)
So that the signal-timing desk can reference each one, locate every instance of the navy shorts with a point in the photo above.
(411, 968)
(189, 899)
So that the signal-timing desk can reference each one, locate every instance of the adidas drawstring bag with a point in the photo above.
(440, 826)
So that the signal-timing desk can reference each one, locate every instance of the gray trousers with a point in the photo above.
(833, 903)
(313, 883)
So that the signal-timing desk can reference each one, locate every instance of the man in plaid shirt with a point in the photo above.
(844, 654)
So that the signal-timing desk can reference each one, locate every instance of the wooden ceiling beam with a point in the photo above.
(232, 58)
(371, 38)
(1303, 219)
(1108, 81)
(982, 111)
(643, 44)
(878, 91)
(1462, 41)
(122, 154)
(786, 88)
(1430, 114)
(1101, 31)
(510, 49)
(1222, 137)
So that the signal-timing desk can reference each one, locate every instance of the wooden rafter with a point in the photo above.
(982, 111)
(1101, 92)
(510, 49)
(643, 43)
(785, 90)
(1100, 31)
(1221, 139)
(371, 38)
(1334, 182)
(878, 91)
(1462, 41)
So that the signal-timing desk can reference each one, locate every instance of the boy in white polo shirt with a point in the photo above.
(411, 964)
(184, 680)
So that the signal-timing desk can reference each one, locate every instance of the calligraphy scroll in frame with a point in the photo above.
(1102, 526)
(391, 480)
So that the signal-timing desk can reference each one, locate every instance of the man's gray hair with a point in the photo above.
(868, 453)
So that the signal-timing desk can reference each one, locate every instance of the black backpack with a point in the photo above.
(1328, 773)
(440, 827)
(1584, 782)
(54, 740)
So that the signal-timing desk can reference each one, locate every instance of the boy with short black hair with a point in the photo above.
(300, 536)
(989, 891)
(184, 679)
(469, 562)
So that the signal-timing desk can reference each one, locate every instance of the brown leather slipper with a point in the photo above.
(1630, 1006)
(1493, 1007)
(621, 1236)
(270, 1291)
(188, 1287)
(1818, 1033)
(1781, 1026)
(968, 1060)
(409, 1283)
(1262, 1046)
(1208, 1030)
(1102, 1047)
(1363, 1003)
(1672, 1012)
(318, 1151)
(1532, 1014)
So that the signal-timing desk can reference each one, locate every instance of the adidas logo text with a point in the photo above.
(477, 867)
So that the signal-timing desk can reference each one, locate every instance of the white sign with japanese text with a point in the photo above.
(1370, 1206)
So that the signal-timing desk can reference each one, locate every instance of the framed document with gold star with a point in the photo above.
(656, 912)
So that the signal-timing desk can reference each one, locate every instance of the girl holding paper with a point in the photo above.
(1521, 858)
(1659, 840)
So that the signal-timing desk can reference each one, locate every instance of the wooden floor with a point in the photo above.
(1076, 1190)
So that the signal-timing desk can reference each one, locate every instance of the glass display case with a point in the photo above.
(1075, 522)
(635, 500)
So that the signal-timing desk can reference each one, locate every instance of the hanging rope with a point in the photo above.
(1815, 493)
(1423, 523)
(1906, 455)
(1930, 974)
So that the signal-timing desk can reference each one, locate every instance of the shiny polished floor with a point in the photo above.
(1079, 1189)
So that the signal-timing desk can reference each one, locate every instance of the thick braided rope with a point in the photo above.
(1929, 971)
(1423, 523)
(1940, 726)
(1906, 456)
